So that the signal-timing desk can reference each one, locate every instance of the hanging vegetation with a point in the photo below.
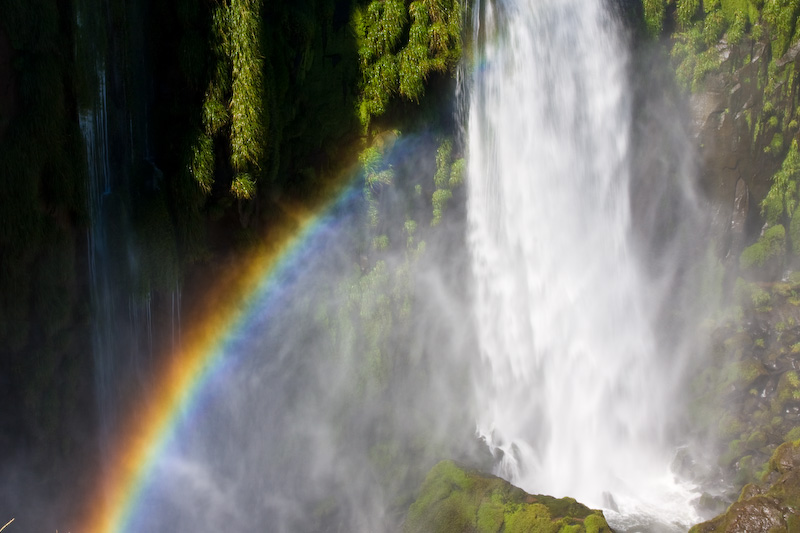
(399, 45)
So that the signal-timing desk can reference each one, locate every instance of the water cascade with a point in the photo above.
(578, 389)
(113, 121)
(318, 393)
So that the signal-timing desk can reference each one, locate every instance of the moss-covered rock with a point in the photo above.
(770, 507)
(770, 248)
(453, 499)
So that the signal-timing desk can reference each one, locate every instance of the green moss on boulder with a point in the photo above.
(770, 247)
(771, 507)
(453, 499)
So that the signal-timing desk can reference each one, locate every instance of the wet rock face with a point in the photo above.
(768, 507)
(758, 514)
(455, 500)
(786, 458)
(741, 209)
(748, 397)
(733, 121)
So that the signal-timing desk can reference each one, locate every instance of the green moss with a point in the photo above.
(734, 452)
(457, 172)
(737, 27)
(654, 11)
(694, 51)
(410, 228)
(380, 243)
(761, 300)
(750, 295)
(769, 247)
(371, 159)
(775, 144)
(745, 472)
(439, 200)
(730, 426)
(449, 175)
(781, 199)
(781, 16)
(713, 28)
(686, 10)
(443, 155)
(491, 515)
(772, 122)
(784, 290)
(755, 440)
(739, 375)
(595, 523)
(454, 499)
(788, 388)
(202, 162)
(535, 517)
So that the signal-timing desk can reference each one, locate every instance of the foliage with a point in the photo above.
(376, 177)
(439, 200)
(449, 176)
(277, 92)
(781, 200)
(781, 15)
(243, 186)
(686, 11)
(236, 97)
(453, 499)
(202, 163)
(249, 128)
(703, 33)
(654, 11)
(400, 45)
(770, 246)
(367, 315)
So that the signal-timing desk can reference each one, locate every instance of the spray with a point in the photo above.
(576, 391)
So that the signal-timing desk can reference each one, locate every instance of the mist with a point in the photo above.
(523, 297)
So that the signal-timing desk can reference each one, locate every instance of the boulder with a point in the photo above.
(772, 507)
(453, 499)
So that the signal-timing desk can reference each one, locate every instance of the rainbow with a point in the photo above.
(235, 299)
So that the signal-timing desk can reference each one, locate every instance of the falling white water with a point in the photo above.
(575, 395)
(123, 325)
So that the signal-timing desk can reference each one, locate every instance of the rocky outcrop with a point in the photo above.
(772, 506)
(749, 394)
(737, 143)
(453, 499)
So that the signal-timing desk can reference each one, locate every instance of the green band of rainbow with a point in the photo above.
(151, 426)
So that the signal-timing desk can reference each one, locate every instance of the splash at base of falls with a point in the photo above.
(579, 392)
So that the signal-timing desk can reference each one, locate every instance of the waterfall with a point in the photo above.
(113, 118)
(577, 391)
